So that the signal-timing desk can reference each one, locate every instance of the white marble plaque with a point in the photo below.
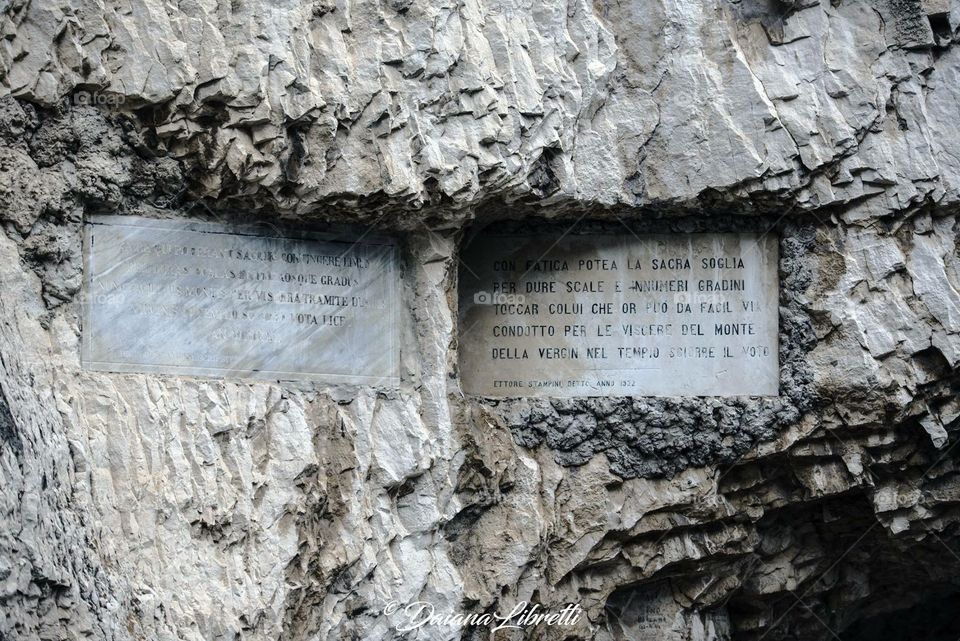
(179, 297)
(619, 315)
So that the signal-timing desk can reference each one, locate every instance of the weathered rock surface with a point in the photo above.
(158, 507)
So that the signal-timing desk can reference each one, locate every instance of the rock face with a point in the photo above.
(159, 507)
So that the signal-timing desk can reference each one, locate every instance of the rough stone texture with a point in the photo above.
(152, 507)
(658, 436)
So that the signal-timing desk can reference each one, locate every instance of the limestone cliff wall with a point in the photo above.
(161, 507)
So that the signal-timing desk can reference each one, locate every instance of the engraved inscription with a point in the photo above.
(203, 299)
(604, 315)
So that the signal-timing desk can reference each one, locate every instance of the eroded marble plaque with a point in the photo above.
(619, 315)
(203, 299)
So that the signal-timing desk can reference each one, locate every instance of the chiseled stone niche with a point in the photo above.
(179, 297)
(619, 315)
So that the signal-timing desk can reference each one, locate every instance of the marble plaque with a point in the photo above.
(619, 315)
(178, 297)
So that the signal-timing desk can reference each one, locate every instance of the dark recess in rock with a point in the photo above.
(9, 433)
